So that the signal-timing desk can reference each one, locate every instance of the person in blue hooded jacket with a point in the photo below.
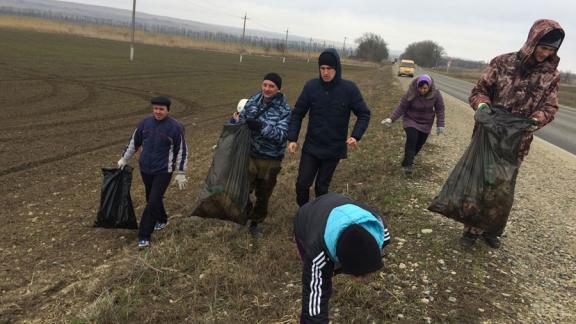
(267, 114)
(335, 235)
(163, 152)
(328, 100)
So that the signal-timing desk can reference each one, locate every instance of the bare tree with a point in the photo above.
(425, 53)
(372, 47)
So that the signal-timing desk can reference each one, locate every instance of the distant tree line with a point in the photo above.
(568, 77)
(269, 44)
(461, 63)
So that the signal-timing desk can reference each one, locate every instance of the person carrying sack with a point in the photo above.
(164, 152)
(267, 115)
(524, 83)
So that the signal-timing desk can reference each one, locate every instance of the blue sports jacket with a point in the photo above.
(163, 145)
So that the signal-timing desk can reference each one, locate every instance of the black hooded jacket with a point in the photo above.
(329, 105)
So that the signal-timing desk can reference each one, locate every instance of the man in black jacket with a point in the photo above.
(329, 99)
(335, 234)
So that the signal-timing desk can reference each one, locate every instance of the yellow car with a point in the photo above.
(406, 68)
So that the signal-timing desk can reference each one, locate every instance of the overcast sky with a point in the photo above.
(477, 30)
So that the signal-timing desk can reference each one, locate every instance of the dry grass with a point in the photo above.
(209, 271)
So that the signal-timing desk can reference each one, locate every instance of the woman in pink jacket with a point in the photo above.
(418, 108)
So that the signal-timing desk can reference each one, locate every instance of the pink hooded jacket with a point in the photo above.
(517, 82)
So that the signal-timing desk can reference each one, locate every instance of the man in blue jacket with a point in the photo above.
(329, 99)
(267, 114)
(335, 234)
(163, 152)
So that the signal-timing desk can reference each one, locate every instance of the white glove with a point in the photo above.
(439, 130)
(387, 122)
(182, 181)
(122, 163)
(241, 105)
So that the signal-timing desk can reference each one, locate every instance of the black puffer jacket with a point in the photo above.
(329, 104)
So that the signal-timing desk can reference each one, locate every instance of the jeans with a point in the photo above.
(313, 168)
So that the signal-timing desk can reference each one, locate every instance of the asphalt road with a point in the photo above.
(560, 132)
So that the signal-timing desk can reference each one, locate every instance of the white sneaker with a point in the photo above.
(160, 226)
(143, 244)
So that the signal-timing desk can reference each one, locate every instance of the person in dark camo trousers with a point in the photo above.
(524, 82)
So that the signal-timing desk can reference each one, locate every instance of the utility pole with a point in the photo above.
(285, 47)
(133, 27)
(309, 49)
(344, 48)
(243, 33)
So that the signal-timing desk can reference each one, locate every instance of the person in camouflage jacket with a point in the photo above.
(267, 114)
(524, 82)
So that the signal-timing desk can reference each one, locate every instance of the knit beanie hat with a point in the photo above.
(161, 101)
(327, 58)
(424, 78)
(274, 77)
(552, 38)
(358, 251)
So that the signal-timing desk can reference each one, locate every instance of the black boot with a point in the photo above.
(468, 239)
(492, 240)
(254, 230)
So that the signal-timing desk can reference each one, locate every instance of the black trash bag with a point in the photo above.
(116, 210)
(226, 188)
(480, 190)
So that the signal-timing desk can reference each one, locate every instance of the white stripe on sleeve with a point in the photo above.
(316, 284)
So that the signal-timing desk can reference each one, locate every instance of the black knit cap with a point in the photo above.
(553, 38)
(358, 251)
(327, 58)
(274, 77)
(161, 101)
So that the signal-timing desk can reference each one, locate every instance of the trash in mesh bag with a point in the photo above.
(116, 210)
(480, 190)
(226, 188)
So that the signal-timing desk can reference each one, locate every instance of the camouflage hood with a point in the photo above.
(539, 29)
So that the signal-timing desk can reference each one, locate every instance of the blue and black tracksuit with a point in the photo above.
(316, 229)
(164, 151)
(329, 105)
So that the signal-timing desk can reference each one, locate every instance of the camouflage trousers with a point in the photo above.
(262, 177)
